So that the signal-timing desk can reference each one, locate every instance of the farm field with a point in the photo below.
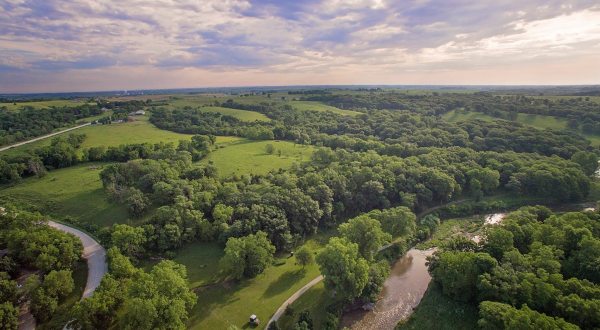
(250, 157)
(318, 106)
(42, 104)
(74, 192)
(231, 303)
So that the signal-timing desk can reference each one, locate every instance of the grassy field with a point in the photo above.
(138, 131)
(76, 192)
(437, 311)
(231, 303)
(538, 121)
(246, 157)
(242, 115)
(318, 106)
(201, 259)
(42, 104)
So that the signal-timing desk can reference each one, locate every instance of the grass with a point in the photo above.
(318, 106)
(439, 312)
(231, 303)
(75, 192)
(250, 157)
(201, 259)
(452, 228)
(538, 121)
(62, 315)
(315, 300)
(243, 115)
(42, 104)
(138, 131)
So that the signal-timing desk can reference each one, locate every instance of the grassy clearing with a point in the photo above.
(250, 157)
(318, 106)
(201, 259)
(139, 131)
(242, 115)
(75, 192)
(42, 104)
(538, 121)
(437, 311)
(231, 303)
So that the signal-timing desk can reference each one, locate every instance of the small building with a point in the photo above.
(137, 113)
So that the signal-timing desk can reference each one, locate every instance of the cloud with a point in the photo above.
(304, 40)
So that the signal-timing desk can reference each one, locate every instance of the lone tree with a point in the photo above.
(247, 256)
(304, 257)
(270, 149)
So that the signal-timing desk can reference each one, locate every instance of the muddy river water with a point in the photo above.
(402, 290)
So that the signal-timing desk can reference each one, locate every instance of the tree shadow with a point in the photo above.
(284, 282)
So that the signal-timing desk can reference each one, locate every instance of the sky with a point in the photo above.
(94, 45)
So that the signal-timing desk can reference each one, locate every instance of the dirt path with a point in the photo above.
(293, 298)
(42, 137)
(93, 252)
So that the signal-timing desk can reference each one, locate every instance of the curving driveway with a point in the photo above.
(93, 252)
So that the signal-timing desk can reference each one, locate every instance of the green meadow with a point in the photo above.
(138, 131)
(230, 303)
(242, 115)
(251, 157)
(75, 192)
(318, 106)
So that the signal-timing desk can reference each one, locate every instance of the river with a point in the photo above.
(402, 292)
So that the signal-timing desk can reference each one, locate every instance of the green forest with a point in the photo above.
(237, 210)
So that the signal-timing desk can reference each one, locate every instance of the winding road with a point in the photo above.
(95, 255)
(43, 137)
(93, 252)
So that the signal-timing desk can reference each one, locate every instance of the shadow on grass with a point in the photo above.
(284, 282)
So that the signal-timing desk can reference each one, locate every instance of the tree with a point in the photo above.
(247, 256)
(304, 257)
(270, 149)
(498, 241)
(494, 315)
(345, 270)
(129, 240)
(457, 272)
(99, 310)
(9, 316)
(137, 202)
(378, 272)
(160, 299)
(367, 233)
(587, 160)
